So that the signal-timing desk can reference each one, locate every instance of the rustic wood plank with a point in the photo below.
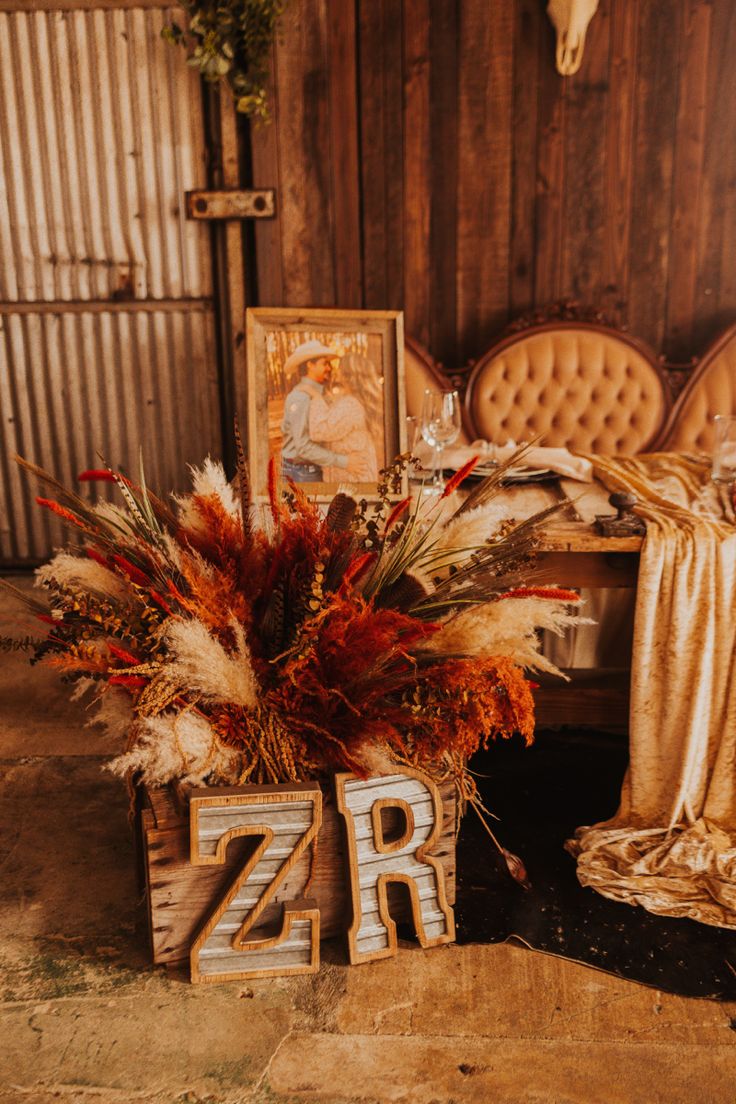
(484, 172)
(576, 537)
(598, 698)
(305, 202)
(529, 16)
(264, 151)
(715, 299)
(417, 170)
(617, 197)
(381, 151)
(688, 176)
(230, 283)
(375, 860)
(444, 53)
(584, 212)
(588, 569)
(655, 113)
(342, 78)
(550, 172)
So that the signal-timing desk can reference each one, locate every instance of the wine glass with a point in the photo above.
(440, 425)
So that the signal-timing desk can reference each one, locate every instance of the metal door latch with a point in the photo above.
(232, 203)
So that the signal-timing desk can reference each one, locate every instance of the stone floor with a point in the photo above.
(84, 1018)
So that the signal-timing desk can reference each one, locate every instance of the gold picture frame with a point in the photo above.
(325, 395)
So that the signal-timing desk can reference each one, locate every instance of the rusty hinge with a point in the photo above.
(232, 203)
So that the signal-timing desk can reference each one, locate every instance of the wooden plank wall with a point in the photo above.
(428, 157)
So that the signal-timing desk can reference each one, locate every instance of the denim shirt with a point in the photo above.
(297, 445)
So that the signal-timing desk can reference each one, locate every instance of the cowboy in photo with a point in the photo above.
(302, 458)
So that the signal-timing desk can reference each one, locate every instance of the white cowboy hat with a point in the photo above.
(308, 350)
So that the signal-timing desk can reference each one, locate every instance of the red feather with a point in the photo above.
(96, 556)
(273, 492)
(460, 474)
(94, 475)
(122, 654)
(134, 573)
(160, 601)
(542, 592)
(62, 512)
(355, 569)
(132, 682)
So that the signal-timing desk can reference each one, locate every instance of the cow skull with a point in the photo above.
(571, 19)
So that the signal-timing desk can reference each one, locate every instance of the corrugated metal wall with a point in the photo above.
(107, 342)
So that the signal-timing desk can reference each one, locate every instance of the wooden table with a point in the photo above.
(572, 554)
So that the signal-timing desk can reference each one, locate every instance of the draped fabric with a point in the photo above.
(671, 847)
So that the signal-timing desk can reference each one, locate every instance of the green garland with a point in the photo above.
(231, 38)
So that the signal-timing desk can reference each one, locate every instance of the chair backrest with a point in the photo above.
(580, 385)
(710, 390)
(421, 372)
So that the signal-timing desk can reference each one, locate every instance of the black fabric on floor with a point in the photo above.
(541, 794)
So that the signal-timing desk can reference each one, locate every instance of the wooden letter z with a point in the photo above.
(374, 861)
(287, 819)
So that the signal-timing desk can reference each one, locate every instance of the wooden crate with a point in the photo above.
(180, 896)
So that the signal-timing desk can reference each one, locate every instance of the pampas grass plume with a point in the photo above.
(508, 628)
(177, 746)
(80, 572)
(200, 663)
(474, 528)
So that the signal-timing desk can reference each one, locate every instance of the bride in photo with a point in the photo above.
(350, 420)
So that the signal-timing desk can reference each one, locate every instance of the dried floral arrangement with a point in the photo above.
(231, 39)
(229, 642)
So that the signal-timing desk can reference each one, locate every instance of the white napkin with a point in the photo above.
(559, 460)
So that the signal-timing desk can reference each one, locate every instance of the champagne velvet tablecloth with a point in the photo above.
(671, 847)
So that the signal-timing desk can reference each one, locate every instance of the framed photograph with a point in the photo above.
(325, 396)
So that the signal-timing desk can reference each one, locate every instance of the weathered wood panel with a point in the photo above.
(584, 216)
(716, 287)
(444, 66)
(529, 16)
(417, 167)
(619, 154)
(653, 160)
(687, 184)
(380, 67)
(549, 207)
(490, 185)
(484, 172)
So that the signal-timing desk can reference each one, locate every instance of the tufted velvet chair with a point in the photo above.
(710, 390)
(577, 385)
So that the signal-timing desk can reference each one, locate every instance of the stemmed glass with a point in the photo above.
(440, 425)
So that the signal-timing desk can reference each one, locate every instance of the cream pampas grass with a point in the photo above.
(178, 746)
(113, 712)
(66, 570)
(473, 528)
(116, 521)
(111, 709)
(208, 480)
(200, 663)
(508, 627)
